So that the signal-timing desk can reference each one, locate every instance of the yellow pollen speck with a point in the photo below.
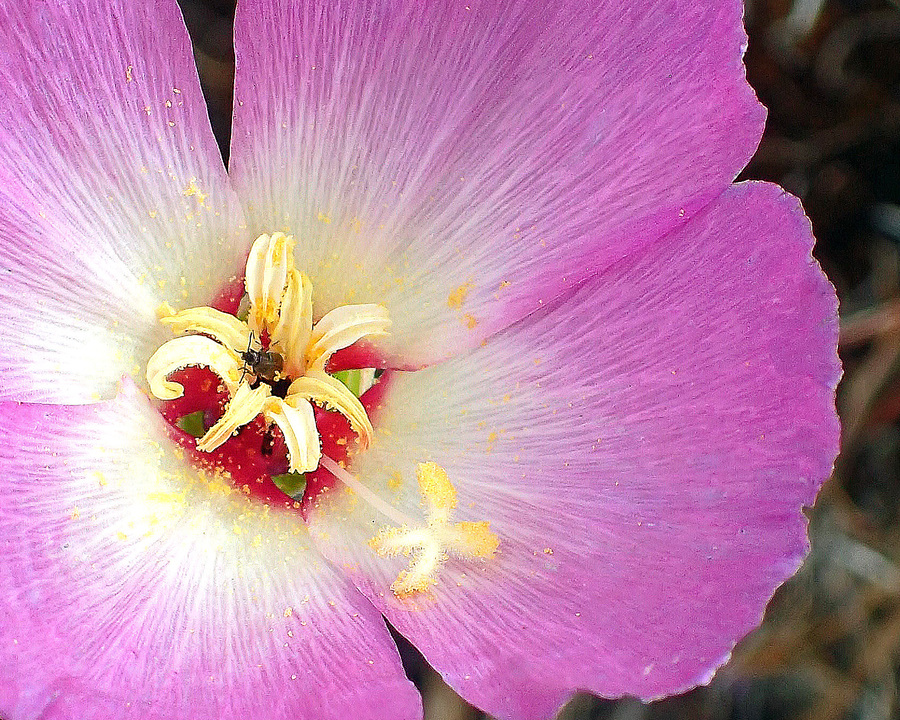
(288, 611)
(456, 298)
(193, 190)
(395, 481)
(548, 551)
(324, 218)
(147, 109)
(470, 320)
(128, 70)
(505, 284)
(76, 513)
(164, 310)
(478, 539)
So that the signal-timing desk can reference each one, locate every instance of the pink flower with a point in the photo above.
(611, 369)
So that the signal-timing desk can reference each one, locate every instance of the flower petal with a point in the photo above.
(138, 587)
(113, 194)
(464, 163)
(641, 451)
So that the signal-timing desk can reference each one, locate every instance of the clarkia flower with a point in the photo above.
(599, 376)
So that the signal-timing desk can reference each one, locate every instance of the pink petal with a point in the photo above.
(642, 451)
(113, 195)
(138, 587)
(466, 162)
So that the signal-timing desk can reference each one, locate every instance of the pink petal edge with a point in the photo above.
(642, 451)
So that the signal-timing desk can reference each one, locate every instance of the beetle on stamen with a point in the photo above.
(264, 364)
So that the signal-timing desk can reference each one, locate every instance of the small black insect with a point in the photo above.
(264, 364)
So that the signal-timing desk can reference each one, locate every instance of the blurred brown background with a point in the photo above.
(829, 72)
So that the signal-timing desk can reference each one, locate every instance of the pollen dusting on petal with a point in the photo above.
(193, 190)
(456, 298)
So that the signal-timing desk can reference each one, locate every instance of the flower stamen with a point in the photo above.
(245, 405)
(274, 364)
(189, 351)
(332, 394)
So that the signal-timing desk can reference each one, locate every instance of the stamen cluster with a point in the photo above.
(295, 353)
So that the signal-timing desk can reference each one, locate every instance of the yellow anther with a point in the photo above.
(322, 389)
(477, 538)
(435, 486)
(342, 327)
(431, 545)
(270, 262)
(193, 350)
